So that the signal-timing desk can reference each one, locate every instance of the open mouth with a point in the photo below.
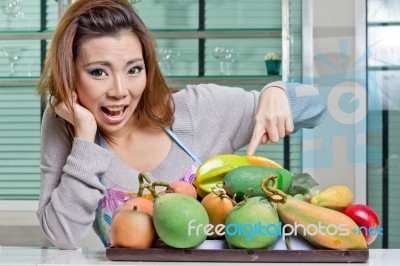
(114, 111)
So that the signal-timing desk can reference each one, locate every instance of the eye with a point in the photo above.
(98, 72)
(135, 70)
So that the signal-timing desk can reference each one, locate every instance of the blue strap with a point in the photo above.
(182, 145)
(99, 138)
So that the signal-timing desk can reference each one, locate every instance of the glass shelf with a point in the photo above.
(202, 34)
(383, 68)
(18, 31)
(160, 34)
(223, 79)
(33, 81)
(251, 40)
(18, 81)
(383, 24)
(25, 35)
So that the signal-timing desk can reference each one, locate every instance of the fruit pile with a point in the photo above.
(250, 201)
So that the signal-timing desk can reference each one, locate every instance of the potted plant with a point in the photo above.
(273, 63)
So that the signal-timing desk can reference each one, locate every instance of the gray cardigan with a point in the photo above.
(209, 119)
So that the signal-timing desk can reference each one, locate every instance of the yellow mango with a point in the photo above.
(335, 198)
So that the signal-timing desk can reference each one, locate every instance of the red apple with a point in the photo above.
(366, 218)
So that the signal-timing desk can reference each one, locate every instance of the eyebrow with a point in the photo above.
(106, 63)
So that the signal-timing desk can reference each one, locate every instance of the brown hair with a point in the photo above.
(87, 19)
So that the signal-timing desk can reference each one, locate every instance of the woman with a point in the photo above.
(111, 115)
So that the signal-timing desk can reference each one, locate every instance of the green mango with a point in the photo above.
(252, 224)
(177, 218)
(238, 180)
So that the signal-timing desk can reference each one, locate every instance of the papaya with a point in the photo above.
(323, 227)
(238, 180)
(212, 171)
(335, 197)
(260, 160)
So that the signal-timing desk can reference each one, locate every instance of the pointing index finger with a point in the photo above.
(258, 133)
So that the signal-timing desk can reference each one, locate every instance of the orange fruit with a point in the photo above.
(141, 204)
(132, 229)
(217, 208)
(183, 187)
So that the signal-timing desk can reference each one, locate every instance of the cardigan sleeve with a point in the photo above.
(227, 114)
(70, 186)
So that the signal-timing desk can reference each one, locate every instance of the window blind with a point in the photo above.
(19, 143)
(20, 110)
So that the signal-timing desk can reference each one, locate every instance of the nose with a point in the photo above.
(118, 88)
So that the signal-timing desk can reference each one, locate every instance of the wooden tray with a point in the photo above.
(164, 253)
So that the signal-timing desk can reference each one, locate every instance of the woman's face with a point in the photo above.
(111, 78)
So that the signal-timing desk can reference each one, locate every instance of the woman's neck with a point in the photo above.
(141, 148)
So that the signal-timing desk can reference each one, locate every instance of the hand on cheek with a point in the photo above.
(81, 118)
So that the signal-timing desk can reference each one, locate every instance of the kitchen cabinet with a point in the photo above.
(187, 33)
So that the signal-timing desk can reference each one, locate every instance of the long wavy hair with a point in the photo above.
(89, 19)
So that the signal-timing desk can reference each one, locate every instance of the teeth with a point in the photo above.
(115, 108)
(114, 111)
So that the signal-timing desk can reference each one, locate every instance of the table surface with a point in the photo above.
(97, 256)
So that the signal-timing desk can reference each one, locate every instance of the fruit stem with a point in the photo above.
(287, 242)
(220, 192)
(234, 203)
(152, 191)
(142, 177)
(217, 190)
(247, 193)
(271, 190)
(152, 187)
(246, 196)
